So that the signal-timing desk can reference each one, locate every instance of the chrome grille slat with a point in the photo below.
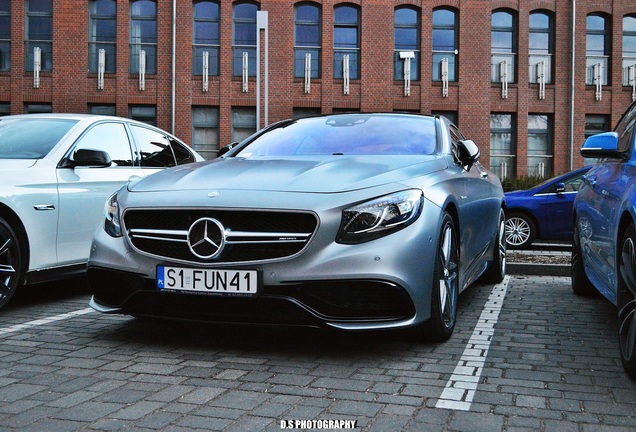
(250, 235)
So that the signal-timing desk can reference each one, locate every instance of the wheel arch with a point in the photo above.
(18, 227)
(625, 221)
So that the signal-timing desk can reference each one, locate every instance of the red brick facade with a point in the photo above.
(70, 88)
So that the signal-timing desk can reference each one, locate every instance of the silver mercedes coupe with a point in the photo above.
(347, 221)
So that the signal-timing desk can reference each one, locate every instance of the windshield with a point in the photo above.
(31, 138)
(347, 134)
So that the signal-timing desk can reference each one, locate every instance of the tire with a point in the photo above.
(626, 301)
(581, 284)
(11, 267)
(520, 231)
(445, 287)
(497, 270)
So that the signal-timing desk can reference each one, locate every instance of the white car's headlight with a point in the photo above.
(111, 214)
(380, 216)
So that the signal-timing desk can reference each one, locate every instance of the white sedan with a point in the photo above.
(56, 172)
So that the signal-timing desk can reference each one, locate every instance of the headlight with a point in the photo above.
(111, 213)
(380, 216)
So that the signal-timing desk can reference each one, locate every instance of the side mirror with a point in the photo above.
(225, 149)
(468, 153)
(559, 188)
(603, 145)
(91, 157)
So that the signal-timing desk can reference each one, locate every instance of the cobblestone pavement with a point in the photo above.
(551, 365)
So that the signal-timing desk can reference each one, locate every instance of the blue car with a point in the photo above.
(543, 212)
(604, 243)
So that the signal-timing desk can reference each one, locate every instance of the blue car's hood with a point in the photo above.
(519, 193)
(322, 174)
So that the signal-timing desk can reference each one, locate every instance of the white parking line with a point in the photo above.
(460, 388)
(43, 321)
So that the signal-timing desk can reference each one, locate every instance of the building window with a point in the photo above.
(39, 33)
(205, 131)
(5, 108)
(307, 39)
(5, 35)
(540, 153)
(541, 47)
(205, 37)
(143, 113)
(445, 43)
(450, 115)
(102, 29)
(629, 50)
(243, 123)
(595, 124)
(305, 112)
(34, 108)
(346, 40)
(143, 35)
(597, 49)
(406, 28)
(503, 47)
(244, 38)
(102, 109)
(502, 145)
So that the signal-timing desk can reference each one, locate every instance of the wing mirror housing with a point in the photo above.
(226, 149)
(468, 153)
(92, 158)
(603, 145)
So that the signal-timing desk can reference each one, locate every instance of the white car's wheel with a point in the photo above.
(10, 262)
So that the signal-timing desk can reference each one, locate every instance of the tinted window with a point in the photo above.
(31, 139)
(354, 134)
(110, 137)
(154, 147)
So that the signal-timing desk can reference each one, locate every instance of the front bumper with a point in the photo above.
(347, 304)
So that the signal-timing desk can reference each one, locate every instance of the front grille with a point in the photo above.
(250, 235)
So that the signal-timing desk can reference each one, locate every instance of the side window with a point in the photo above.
(154, 148)
(181, 153)
(110, 137)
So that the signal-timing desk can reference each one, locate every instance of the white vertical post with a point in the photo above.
(504, 170)
(631, 74)
(245, 88)
(541, 169)
(503, 74)
(142, 70)
(101, 68)
(444, 77)
(307, 73)
(407, 56)
(541, 79)
(598, 80)
(345, 73)
(206, 71)
(37, 66)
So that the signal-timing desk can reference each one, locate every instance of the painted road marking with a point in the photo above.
(43, 321)
(460, 388)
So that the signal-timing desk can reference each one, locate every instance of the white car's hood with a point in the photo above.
(16, 163)
(319, 175)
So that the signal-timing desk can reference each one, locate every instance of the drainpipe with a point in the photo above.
(174, 64)
(572, 83)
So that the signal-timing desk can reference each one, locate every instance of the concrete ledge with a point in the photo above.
(532, 269)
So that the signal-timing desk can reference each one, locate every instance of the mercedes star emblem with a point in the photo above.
(206, 238)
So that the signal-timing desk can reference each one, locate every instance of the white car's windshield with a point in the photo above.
(348, 134)
(31, 138)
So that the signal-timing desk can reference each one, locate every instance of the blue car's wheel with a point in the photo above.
(445, 289)
(10, 262)
(581, 284)
(626, 301)
(520, 231)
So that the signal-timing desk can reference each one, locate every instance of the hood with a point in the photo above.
(9, 164)
(325, 174)
(518, 193)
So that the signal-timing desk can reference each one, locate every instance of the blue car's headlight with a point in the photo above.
(111, 213)
(380, 216)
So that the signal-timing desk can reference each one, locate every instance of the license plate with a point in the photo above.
(237, 283)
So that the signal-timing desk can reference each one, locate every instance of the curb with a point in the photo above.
(531, 269)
